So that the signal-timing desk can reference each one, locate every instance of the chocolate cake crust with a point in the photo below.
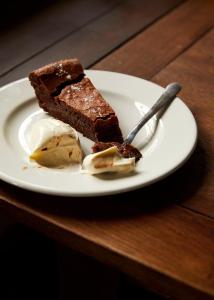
(88, 112)
(64, 92)
(83, 97)
(51, 76)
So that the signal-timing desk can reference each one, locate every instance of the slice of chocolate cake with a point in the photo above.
(66, 94)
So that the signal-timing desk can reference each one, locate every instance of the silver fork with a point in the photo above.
(165, 99)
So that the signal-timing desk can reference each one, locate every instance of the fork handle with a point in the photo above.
(166, 98)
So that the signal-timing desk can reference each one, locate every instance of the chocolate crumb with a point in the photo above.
(126, 151)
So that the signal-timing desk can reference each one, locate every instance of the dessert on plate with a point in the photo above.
(67, 94)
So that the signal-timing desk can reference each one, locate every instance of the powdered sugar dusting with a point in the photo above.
(96, 110)
(89, 98)
(75, 88)
(61, 71)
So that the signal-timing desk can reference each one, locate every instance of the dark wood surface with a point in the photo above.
(91, 42)
(59, 19)
(161, 235)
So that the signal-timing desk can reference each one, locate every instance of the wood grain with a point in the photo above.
(167, 248)
(196, 74)
(152, 233)
(38, 28)
(195, 71)
(98, 38)
(147, 53)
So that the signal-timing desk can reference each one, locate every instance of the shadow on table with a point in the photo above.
(177, 188)
(28, 263)
(15, 12)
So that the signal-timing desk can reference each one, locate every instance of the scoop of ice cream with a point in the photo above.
(54, 143)
(108, 160)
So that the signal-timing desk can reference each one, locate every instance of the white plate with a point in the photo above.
(164, 149)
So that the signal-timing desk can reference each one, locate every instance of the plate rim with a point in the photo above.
(46, 190)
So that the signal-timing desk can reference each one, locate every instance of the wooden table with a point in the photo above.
(161, 235)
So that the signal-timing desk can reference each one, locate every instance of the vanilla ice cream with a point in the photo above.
(108, 160)
(54, 143)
